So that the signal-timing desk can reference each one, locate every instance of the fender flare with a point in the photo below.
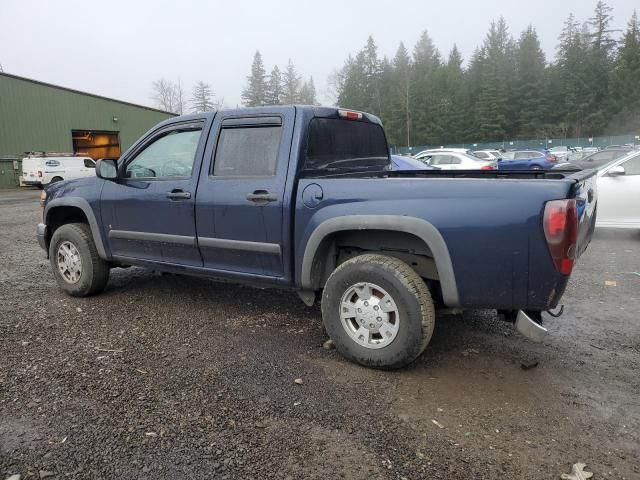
(399, 223)
(83, 205)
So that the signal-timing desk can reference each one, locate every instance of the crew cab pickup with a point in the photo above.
(304, 198)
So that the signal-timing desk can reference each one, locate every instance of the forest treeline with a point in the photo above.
(508, 89)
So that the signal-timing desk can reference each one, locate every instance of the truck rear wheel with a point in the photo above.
(78, 268)
(378, 311)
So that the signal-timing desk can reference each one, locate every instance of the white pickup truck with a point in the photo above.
(42, 169)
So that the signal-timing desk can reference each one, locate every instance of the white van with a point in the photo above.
(41, 170)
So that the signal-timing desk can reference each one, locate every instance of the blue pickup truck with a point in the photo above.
(304, 198)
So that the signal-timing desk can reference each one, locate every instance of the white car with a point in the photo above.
(488, 154)
(619, 193)
(447, 160)
(424, 153)
(43, 169)
(560, 152)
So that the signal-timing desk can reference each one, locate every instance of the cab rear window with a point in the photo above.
(345, 144)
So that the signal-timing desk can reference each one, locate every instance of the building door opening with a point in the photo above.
(96, 144)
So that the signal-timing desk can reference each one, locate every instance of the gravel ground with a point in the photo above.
(166, 376)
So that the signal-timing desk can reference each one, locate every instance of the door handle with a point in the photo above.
(261, 196)
(177, 194)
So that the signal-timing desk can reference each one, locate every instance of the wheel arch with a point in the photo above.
(319, 244)
(68, 210)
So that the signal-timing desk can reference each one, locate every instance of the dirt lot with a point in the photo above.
(175, 377)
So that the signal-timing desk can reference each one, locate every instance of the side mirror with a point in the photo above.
(616, 171)
(107, 169)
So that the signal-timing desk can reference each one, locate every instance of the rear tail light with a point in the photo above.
(488, 167)
(350, 115)
(551, 158)
(39, 173)
(561, 231)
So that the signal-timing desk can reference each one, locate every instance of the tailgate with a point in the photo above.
(586, 193)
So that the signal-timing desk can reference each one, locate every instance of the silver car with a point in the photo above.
(619, 193)
(450, 160)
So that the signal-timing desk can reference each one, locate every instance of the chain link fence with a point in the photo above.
(534, 144)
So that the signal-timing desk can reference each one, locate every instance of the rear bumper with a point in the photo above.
(41, 235)
(530, 328)
(31, 183)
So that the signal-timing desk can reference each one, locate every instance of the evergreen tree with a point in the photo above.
(372, 73)
(351, 89)
(426, 62)
(290, 85)
(452, 104)
(494, 104)
(399, 111)
(572, 77)
(600, 62)
(202, 99)
(308, 93)
(529, 80)
(625, 83)
(254, 93)
(274, 90)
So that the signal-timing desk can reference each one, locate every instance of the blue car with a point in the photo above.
(526, 160)
(398, 162)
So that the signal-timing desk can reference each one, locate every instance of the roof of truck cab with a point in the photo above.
(267, 109)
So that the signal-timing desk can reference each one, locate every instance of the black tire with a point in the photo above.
(536, 167)
(94, 273)
(410, 294)
(55, 180)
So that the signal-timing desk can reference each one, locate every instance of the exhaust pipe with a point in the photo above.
(528, 327)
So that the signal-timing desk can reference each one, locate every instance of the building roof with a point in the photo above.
(58, 87)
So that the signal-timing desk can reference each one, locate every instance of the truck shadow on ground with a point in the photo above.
(464, 336)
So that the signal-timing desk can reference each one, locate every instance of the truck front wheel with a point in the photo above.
(75, 262)
(378, 311)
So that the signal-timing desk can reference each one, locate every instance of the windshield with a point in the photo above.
(600, 159)
(345, 144)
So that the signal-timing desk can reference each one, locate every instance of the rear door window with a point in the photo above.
(445, 160)
(345, 144)
(247, 150)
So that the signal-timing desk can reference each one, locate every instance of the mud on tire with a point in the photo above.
(93, 273)
(412, 302)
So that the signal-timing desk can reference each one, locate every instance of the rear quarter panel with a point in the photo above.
(492, 228)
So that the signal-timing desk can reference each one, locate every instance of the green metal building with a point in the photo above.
(40, 117)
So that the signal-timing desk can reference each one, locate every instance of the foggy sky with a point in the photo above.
(117, 48)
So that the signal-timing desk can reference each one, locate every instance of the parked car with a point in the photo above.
(526, 160)
(43, 169)
(425, 153)
(561, 152)
(488, 154)
(457, 161)
(399, 162)
(595, 160)
(619, 193)
(303, 198)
